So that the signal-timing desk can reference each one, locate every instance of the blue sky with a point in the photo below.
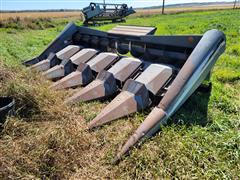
(79, 4)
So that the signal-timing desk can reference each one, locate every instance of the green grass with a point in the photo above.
(203, 142)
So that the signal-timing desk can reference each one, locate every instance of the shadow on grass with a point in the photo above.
(102, 23)
(195, 110)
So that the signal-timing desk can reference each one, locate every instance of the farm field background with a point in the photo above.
(48, 140)
(76, 14)
(5, 16)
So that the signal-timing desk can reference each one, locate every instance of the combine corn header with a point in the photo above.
(162, 72)
(106, 12)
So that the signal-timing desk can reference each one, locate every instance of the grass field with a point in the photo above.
(172, 10)
(47, 139)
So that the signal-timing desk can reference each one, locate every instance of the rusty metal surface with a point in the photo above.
(124, 68)
(150, 121)
(83, 74)
(155, 76)
(70, 80)
(54, 59)
(44, 64)
(139, 28)
(133, 98)
(152, 79)
(54, 72)
(102, 61)
(191, 56)
(105, 84)
(83, 56)
(67, 65)
(132, 30)
(194, 71)
(67, 52)
(122, 105)
(171, 48)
